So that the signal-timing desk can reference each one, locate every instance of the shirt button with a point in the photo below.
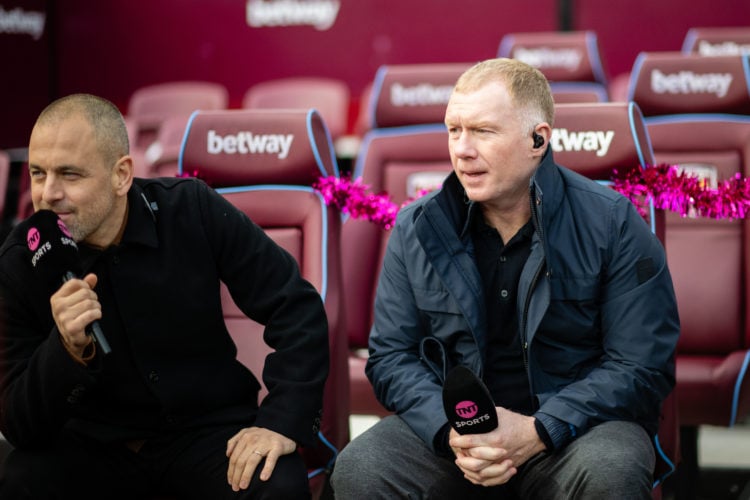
(116, 260)
(503, 258)
(153, 376)
(504, 294)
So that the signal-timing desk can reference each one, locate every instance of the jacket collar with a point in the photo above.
(546, 186)
(141, 225)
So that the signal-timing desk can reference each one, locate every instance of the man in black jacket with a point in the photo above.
(169, 409)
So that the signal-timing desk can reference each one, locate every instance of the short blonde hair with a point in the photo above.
(527, 86)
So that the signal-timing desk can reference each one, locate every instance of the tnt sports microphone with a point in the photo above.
(54, 256)
(467, 402)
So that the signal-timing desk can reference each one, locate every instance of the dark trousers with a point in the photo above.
(190, 465)
(611, 460)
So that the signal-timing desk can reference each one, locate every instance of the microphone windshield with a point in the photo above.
(468, 403)
(52, 250)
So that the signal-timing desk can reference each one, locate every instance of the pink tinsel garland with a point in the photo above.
(665, 185)
(671, 189)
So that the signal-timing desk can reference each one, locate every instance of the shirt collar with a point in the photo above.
(141, 225)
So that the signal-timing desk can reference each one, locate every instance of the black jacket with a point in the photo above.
(173, 363)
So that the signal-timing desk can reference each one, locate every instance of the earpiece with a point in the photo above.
(538, 140)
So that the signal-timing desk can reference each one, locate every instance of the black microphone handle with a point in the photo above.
(93, 329)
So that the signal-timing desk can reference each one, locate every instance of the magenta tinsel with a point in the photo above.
(664, 185)
(670, 189)
(351, 197)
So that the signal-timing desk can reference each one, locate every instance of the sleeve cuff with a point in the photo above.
(440, 443)
(553, 432)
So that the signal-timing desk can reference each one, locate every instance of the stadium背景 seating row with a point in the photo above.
(570, 60)
(272, 185)
(697, 111)
(4, 179)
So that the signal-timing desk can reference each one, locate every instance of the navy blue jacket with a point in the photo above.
(596, 307)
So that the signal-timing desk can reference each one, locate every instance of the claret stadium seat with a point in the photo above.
(161, 158)
(273, 187)
(717, 41)
(404, 150)
(627, 148)
(4, 178)
(571, 61)
(697, 111)
(329, 96)
(150, 105)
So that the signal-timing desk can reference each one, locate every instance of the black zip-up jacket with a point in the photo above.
(173, 363)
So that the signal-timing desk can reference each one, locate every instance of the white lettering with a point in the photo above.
(318, 13)
(423, 94)
(46, 247)
(21, 22)
(68, 241)
(249, 143)
(728, 48)
(473, 421)
(549, 58)
(597, 141)
(688, 82)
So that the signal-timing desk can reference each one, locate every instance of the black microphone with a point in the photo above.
(54, 256)
(468, 403)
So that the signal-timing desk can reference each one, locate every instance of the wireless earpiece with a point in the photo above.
(538, 140)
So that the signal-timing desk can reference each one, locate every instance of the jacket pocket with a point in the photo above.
(435, 301)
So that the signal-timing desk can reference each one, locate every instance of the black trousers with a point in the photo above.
(189, 465)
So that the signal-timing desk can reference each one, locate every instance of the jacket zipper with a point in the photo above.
(524, 319)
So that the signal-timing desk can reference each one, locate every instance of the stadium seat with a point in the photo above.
(161, 158)
(271, 182)
(4, 178)
(571, 61)
(628, 148)
(150, 105)
(717, 41)
(697, 113)
(405, 150)
(329, 96)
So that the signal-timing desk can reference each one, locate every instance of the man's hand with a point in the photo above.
(493, 458)
(248, 447)
(74, 306)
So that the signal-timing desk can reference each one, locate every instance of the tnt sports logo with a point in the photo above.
(33, 238)
(64, 228)
(467, 409)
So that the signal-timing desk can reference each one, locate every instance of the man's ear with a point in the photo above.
(122, 175)
(540, 138)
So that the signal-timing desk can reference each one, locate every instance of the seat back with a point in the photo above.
(150, 105)
(329, 96)
(4, 177)
(264, 162)
(717, 41)
(571, 61)
(697, 112)
(595, 140)
(406, 149)
(161, 158)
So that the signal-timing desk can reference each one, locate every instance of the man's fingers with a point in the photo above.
(270, 464)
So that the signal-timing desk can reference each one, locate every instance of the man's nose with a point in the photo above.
(463, 146)
(52, 189)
